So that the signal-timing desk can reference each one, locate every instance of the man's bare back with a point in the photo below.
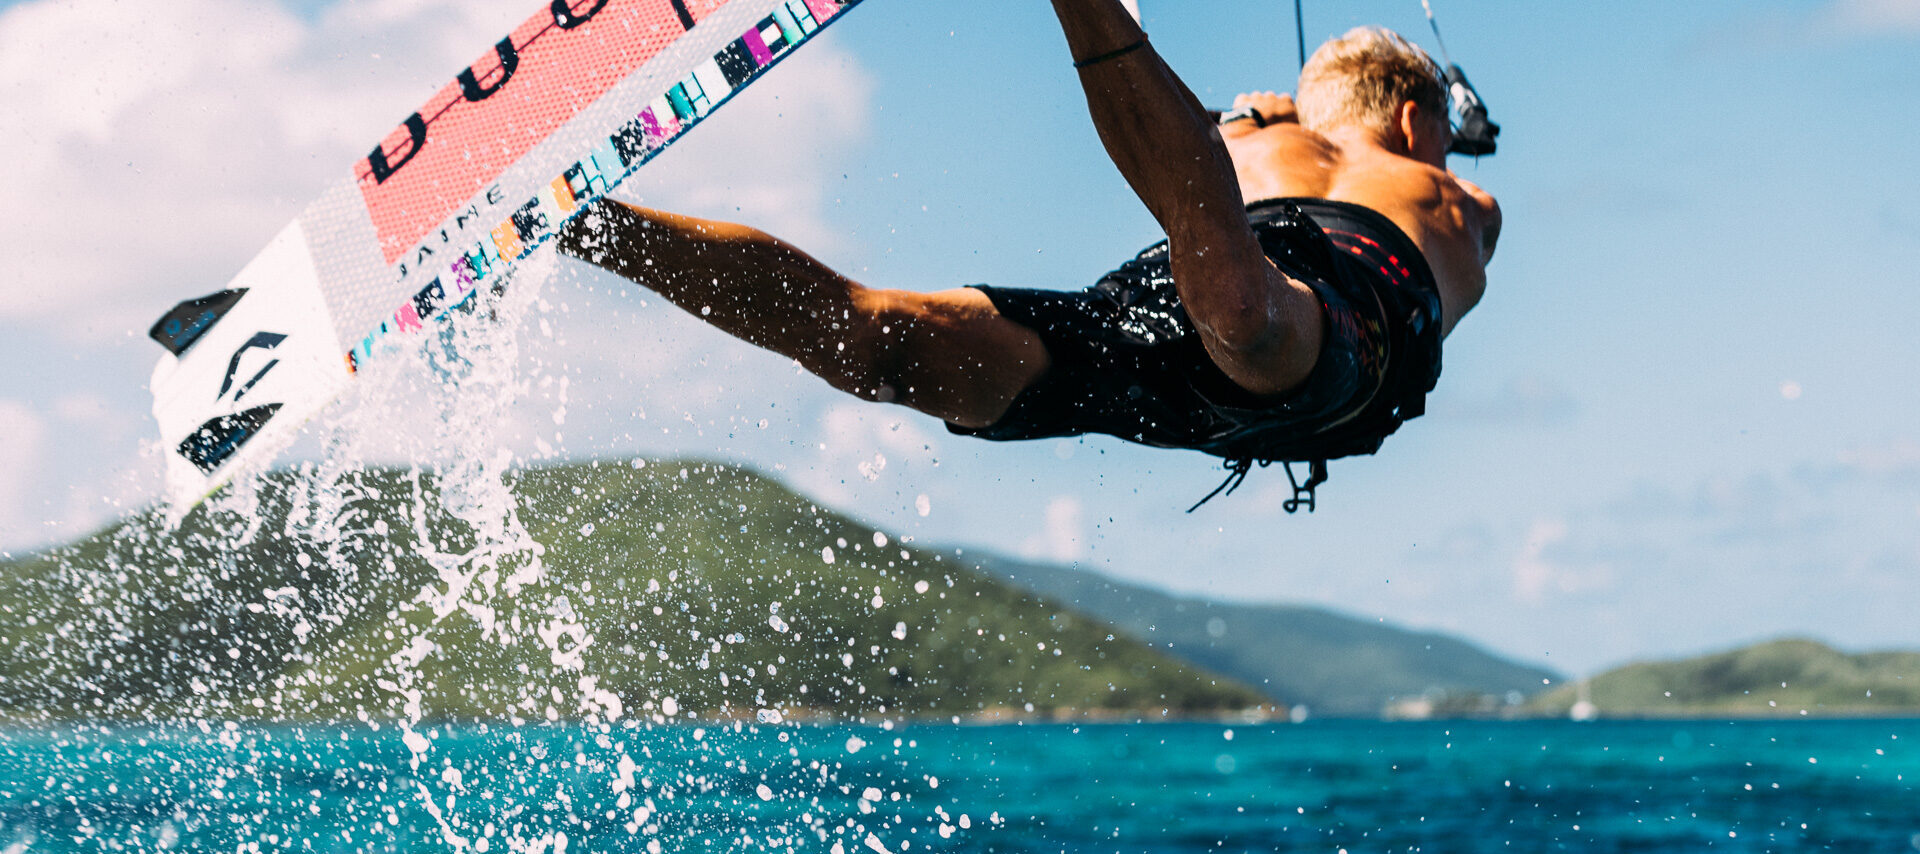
(1454, 222)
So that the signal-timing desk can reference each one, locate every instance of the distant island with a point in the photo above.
(681, 589)
(1783, 678)
(705, 591)
(1307, 658)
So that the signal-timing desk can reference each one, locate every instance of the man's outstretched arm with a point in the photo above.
(1260, 328)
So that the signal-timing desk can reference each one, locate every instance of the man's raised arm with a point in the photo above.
(1154, 129)
(1262, 330)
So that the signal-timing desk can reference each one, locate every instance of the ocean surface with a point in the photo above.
(1319, 786)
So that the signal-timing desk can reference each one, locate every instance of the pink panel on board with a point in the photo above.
(469, 143)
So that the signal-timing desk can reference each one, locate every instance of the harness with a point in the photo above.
(1411, 315)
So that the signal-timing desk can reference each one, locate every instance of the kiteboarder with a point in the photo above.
(1317, 252)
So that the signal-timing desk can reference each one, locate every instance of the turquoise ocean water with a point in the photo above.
(1167, 788)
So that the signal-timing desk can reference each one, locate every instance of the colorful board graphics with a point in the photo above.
(553, 115)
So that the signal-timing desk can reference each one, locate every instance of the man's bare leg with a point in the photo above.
(1260, 327)
(948, 354)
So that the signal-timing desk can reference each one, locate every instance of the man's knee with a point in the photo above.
(876, 352)
(949, 354)
(1264, 332)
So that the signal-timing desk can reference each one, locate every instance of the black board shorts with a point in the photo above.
(1125, 360)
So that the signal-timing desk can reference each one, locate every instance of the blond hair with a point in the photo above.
(1361, 79)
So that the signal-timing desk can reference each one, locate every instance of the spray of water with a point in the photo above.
(419, 604)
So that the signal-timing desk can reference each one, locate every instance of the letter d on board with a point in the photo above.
(509, 60)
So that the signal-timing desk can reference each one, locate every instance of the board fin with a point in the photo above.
(185, 323)
(217, 439)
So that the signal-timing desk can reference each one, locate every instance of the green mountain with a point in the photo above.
(1784, 677)
(681, 587)
(1334, 664)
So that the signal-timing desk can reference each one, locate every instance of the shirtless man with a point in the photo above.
(1301, 327)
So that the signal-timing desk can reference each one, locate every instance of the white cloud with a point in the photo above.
(83, 407)
(1892, 458)
(1062, 534)
(20, 457)
(1552, 564)
(1675, 564)
(1880, 17)
(1533, 574)
(1528, 399)
(859, 447)
(1835, 22)
(75, 508)
(152, 148)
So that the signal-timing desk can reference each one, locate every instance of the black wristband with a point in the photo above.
(1112, 54)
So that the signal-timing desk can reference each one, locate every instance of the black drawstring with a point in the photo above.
(1236, 474)
(1237, 471)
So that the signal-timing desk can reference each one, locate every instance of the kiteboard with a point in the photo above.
(555, 114)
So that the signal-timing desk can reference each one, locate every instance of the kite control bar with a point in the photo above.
(1473, 132)
(1221, 117)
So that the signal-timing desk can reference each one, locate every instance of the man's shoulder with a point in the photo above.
(1479, 195)
(1487, 209)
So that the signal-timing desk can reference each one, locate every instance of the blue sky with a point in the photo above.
(1682, 419)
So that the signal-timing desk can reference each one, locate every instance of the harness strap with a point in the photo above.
(1303, 493)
